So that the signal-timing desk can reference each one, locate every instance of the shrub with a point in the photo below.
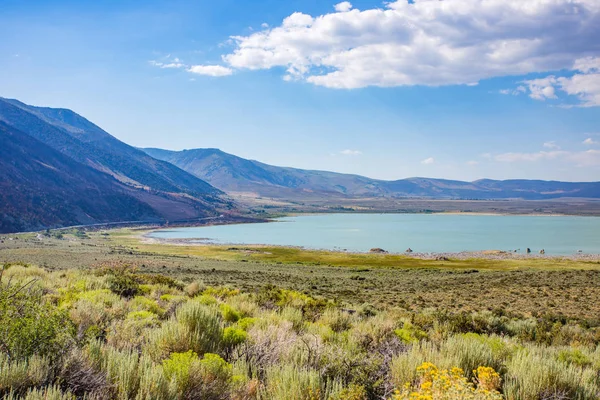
(208, 378)
(534, 373)
(291, 383)
(132, 332)
(352, 392)
(221, 292)
(204, 325)
(30, 325)
(125, 370)
(158, 279)
(194, 327)
(193, 289)
(80, 376)
(170, 337)
(47, 393)
(294, 316)
(472, 350)
(215, 369)
(575, 357)
(122, 280)
(409, 333)
(141, 303)
(153, 383)
(229, 314)
(18, 375)
(233, 336)
(451, 385)
(337, 320)
(178, 368)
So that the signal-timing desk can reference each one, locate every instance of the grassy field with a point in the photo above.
(534, 286)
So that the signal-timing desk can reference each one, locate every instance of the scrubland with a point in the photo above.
(91, 318)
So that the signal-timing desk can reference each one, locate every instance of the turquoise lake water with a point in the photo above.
(423, 233)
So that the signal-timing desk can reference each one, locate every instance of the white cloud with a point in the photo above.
(344, 6)
(590, 142)
(551, 145)
(264, 25)
(586, 158)
(472, 163)
(430, 42)
(515, 92)
(210, 70)
(349, 152)
(175, 63)
(428, 161)
(585, 84)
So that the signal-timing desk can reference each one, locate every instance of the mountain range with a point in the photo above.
(234, 174)
(58, 168)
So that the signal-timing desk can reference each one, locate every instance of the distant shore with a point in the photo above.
(440, 256)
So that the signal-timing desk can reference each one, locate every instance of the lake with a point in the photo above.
(423, 233)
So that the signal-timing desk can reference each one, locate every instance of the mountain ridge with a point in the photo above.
(216, 167)
(122, 178)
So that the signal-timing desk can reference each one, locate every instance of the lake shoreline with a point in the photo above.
(439, 256)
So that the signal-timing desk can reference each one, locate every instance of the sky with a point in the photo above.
(457, 89)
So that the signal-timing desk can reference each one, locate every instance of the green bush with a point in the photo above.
(30, 325)
(179, 368)
(47, 393)
(535, 373)
(158, 279)
(204, 325)
(122, 280)
(207, 378)
(229, 314)
(18, 375)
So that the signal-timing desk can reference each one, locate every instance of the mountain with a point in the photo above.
(76, 137)
(235, 174)
(41, 187)
(59, 169)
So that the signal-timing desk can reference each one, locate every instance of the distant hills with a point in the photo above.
(57, 168)
(235, 174)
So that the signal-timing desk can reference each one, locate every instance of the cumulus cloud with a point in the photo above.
(584, 84)
(472, 163)
(428, 161)
(210, 70)
(430, 42)
(349, 152)
(590, 142)
(344, 6)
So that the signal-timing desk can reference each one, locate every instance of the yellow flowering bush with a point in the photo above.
(436, 384)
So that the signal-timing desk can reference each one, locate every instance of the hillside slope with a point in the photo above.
(87, 143)
(40, 187)
(59, 169)
(235, 174)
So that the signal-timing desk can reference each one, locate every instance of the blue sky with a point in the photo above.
(384, 90)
